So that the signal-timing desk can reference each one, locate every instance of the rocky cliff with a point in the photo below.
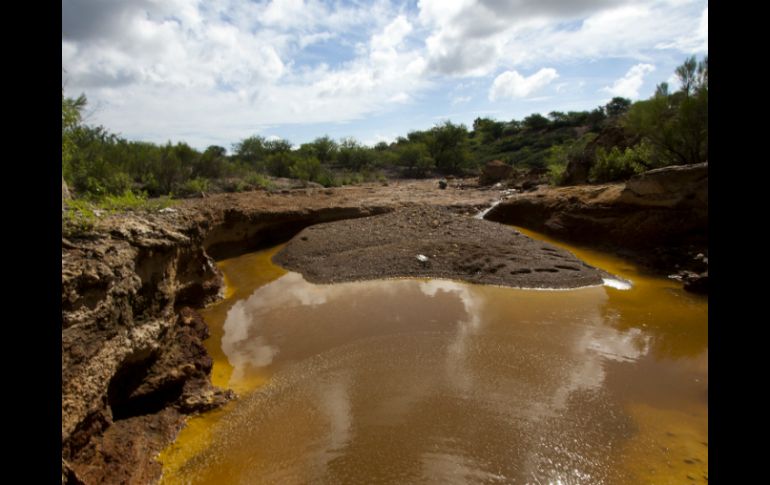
(659, 217)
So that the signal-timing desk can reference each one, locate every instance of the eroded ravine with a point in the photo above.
(421, 380)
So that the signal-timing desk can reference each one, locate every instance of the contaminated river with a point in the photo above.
(437, 381)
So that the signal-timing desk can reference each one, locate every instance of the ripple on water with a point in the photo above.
(444, 382)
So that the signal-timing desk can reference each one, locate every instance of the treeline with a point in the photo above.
(611, 142)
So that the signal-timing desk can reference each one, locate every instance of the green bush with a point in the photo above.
(620, 165)
(193, 187)
(259, 181)
(131, 201)
(327, 179)
(78, 217)
(305, 168)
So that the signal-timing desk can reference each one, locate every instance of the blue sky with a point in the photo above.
(212, 72)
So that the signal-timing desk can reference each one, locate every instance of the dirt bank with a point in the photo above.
(431, 242)
(658, 218)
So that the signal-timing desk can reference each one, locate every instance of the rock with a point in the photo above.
(660, 216)
(126, 355)
(495, 171)
(675, 186)
(442, 184)
(696, 283)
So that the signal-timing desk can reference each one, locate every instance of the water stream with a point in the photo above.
(437, 381)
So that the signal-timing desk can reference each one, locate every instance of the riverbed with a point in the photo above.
(439, 381)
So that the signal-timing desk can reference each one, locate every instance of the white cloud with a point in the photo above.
(628, 86)
(393, 34)
(214, 70)
(226, 76)
(511, 84)
(475, 38)
(673, 83)
(694, 41)
(401, 97)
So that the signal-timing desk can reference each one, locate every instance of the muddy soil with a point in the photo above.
(431, 242)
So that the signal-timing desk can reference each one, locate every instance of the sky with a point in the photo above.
(213, 72)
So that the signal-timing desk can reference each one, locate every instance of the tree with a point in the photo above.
(251, 150)
(489, 130)
(617, 106)
(277, 146)
(211, 164)
(414, 157)
(354, 156)
(324, 149)
(676, 124)
(305, 168)
(535, 121)
(448, 146)
(71, 109)
(687, 75)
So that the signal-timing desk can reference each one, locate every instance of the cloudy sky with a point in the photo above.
(212, 72)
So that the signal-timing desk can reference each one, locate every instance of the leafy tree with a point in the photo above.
(354, 156)
(676, 124)
(617, 106)
(323, 148)
(305, 168)
(535, 121)
(414, 157)
(277, 146)
(279, 164)
(251, 150)
(448, 146)
(687, 74)
(617, 164)
(71, 109)
(488, 129)
(171, 170)
(596, 118)
(212, 163)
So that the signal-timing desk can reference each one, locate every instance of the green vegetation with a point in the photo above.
(82, 214)
(613, 141)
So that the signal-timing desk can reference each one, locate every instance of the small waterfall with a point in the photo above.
(481, 214)
(618, 284)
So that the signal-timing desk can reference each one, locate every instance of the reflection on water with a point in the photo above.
(436, 381)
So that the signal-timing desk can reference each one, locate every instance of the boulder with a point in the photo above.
(495, 171)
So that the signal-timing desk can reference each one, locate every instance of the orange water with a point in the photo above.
(435, 381)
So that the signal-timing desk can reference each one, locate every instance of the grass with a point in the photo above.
(80, 215)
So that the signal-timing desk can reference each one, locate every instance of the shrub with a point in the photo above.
(78, 217)
(132, 201)
(620, 165)
(193, 187)
(305, 168)
(257, 180)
